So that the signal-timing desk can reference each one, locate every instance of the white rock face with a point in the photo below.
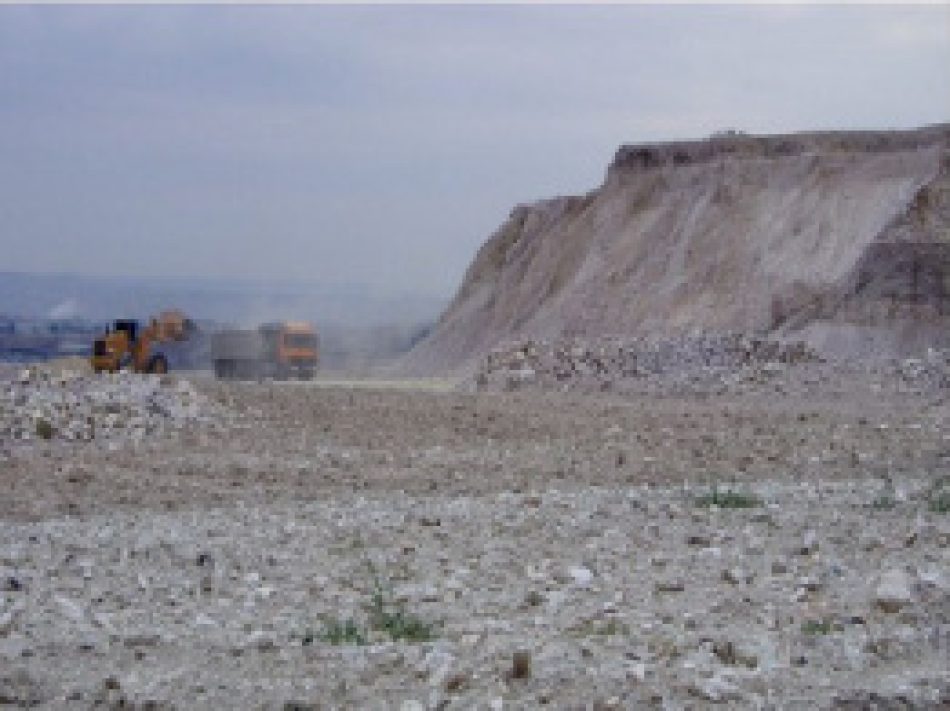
(747, 233)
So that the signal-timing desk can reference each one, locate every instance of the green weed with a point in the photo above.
(817, 627)
(608, 629)
(337, 632)
(727, 499)
(940, 502)
(395, 621)
(938, 497)
(883, 503)
(44, 429)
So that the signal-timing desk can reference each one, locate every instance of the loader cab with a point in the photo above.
(128, 326)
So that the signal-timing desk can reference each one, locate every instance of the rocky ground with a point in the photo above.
(776, 541)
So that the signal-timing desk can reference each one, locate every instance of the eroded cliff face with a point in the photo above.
(843, 238)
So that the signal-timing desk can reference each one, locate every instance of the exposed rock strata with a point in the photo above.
(839, 238)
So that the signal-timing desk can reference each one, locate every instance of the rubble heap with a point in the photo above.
(695, 364)
(606, 363)
(38, 404)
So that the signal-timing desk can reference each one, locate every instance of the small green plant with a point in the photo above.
(590, 629)
(817, 627)
(938, 497)
(395, 621)
(346, 632)
(337, 632)
(940, 502)
(385, 616)
(727, 499)
(883, 503)
(44, 429)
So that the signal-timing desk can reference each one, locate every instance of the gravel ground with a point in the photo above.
(341, 547)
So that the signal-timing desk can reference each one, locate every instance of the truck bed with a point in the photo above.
(237, 345)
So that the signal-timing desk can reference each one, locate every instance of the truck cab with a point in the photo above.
(273, 350)
(292, 347)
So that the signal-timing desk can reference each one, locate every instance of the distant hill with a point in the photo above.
(226, 301)
(842, 238)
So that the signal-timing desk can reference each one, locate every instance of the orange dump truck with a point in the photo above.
(273, 350)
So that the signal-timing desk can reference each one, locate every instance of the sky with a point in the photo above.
(380, 146)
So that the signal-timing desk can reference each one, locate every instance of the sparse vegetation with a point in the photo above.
(44, 429)
(728, 499)
(385, 617)
(608, 629)
(337, 632)
(393, 620)
(883, 503)
(940, 502)
(938, 498)
(817, 627)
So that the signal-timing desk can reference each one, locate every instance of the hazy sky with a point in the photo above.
(382, 145)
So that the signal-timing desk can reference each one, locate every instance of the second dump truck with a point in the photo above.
(273, 350)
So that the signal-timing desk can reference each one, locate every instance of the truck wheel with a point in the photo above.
(157, 364)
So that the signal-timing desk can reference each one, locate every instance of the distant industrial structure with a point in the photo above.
(32, 339)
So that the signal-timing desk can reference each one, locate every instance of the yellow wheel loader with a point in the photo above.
(127, 344)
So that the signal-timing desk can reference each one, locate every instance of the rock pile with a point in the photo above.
(606, 363)
(38, 404)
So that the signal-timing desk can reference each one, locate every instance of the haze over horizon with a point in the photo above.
(382, 145)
